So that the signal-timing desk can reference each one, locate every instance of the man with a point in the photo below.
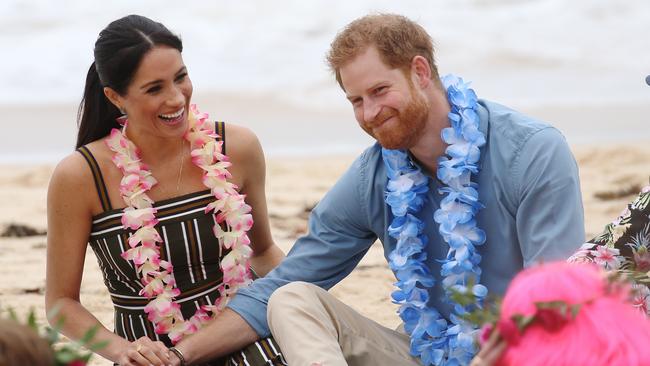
(524, 176)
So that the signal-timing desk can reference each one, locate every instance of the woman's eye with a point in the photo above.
(181, 77)
(153, 90)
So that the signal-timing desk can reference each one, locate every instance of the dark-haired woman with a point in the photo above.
(156, 189)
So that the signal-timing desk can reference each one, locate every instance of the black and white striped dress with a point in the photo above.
(188, 243)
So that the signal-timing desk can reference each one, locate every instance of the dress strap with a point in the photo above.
(97, 177)
(220, 128)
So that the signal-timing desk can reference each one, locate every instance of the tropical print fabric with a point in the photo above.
(624, 246)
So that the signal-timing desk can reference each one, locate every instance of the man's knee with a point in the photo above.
(289, 293)
(290, 296)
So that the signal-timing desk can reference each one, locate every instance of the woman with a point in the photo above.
(151, 192)
(567, 314)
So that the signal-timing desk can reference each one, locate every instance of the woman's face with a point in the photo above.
(157, 100)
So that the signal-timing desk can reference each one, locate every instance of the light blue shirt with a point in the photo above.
(528, 182)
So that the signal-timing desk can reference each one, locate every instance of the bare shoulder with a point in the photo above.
(245, 152)
(242, 144)
(72, 170)
(72, 182)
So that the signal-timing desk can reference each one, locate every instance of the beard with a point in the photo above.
(408, 128)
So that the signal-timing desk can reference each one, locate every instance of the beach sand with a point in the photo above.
(611, 175)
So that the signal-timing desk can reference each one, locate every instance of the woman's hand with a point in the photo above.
(145, 352)
(490, 351)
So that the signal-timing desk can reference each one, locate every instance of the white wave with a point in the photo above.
(534, 51)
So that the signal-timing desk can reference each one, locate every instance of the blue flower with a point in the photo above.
(432, 339)
(402, 253)
(479, 290)
(410, 315)
(452, 211)
(395, 161)
(463, 234)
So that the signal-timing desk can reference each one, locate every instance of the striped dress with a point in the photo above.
(188, 243)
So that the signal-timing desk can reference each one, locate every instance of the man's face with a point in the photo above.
(386, 103)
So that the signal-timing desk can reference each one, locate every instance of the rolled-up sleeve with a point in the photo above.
(550, 217)
(339, 236)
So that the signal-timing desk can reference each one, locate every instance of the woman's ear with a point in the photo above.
(114, 97)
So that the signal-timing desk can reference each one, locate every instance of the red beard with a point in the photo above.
(404, 132)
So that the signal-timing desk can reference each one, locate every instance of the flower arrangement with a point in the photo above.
(229, 209)
(434, 340)
(551, 315)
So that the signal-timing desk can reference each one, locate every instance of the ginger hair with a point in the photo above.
(397, 38)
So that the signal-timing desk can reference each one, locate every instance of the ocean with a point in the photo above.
(531, 54)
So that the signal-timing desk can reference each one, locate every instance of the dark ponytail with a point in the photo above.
(118, 52)
(96, 115)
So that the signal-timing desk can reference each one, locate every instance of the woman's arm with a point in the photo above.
(247, 157)
(69, 215)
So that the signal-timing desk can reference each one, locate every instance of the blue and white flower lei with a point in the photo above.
(433, 339)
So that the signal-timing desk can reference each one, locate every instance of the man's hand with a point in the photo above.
(491, 351)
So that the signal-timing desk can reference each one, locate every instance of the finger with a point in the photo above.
(124, 363)
(162, 351)
(137, 358)
(487, 347)
(155, 355)
(492, 340)
(154, 351)
(495, 353)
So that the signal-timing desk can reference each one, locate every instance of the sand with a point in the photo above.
(294, 186)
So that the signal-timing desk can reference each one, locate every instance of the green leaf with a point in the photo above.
(575, 309)
(12, 314)
(31, 320)
(52, 335)
(522, 321)
(66, 356)
(89, 335)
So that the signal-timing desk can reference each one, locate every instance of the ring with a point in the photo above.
(138, 348)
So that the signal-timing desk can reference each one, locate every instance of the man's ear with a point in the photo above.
(421, 71)
(114, 97)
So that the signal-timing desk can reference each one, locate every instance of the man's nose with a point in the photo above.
(370, 111)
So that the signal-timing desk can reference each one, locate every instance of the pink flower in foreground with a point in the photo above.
(485, 333)
(509, 331)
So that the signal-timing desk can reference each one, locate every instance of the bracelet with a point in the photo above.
(178, 354)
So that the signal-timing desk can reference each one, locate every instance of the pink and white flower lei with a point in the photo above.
(229, 208)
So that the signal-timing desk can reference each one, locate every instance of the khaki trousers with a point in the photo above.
(313, 328)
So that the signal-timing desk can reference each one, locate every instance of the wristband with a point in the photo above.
(178, 354)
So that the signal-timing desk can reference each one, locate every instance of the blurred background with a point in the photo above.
(579, 65)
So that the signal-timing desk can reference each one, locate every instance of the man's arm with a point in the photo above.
(339, 235)
(550, 217)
